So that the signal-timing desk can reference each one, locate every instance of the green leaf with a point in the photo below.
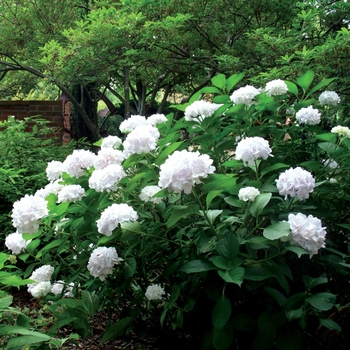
(131, 228)
(219, 81)
(257, 273)
(219, 182)
(321, 85)
(329, 147)
(322, 301)
(90, 302)
(233, 163)
(292, 88)
(243, 322)
(181, 212)
(10, 329)
(294, 314)
(222, 337)
(259, 204)
(26, 340)
(278, 296)
(276, 231)
(5, 301)
(116, 329)
(305, 80)
(130, 267)
(330, 324)
(3, 259)
(311, 282)
(210, 196)
(195, 266)
(327, 137)
(33, 245)
(14, 281)
(221, 313)
(169, 150)
(228, 246)
(210, 90)
(233, 80)
(212, 214)
(274, 167)
(297, 250)
(232, 276)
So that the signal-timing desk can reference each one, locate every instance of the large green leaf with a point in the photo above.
(116, 329)
(260, 203)
(305, 80)
(232, 276)
(181, 212)
(322, 301)
(219, 80)
(222, 337)
(195, 266)
(330, 324)
(233, 80)
(5, 301)
(292, 88)
(276, 231)
(169, 150)
(321, 85)
(222, 312)
(90, 302)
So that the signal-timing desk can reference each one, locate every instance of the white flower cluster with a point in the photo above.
(141, 140)
(330, 163)
(308, 115)
(107, 156)
(70, 193)
(132, 123)
(276, 87)
(102, 261)
(307, 232)
(59, 287)
(106, 179)
(54, 170)
(248, 193)
(16, 243)
(111, 142)
(112, 216)
(199, 110)
(295, 182)
(244, 95)
(182, 170)
(52, 187)
(156, 119)
(147, 193)
(329, 98)
(78, 162)
(27, 212)
(252, 148)
(42, 277)
(343, 131)
(154, 292)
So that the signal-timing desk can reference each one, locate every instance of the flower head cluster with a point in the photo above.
(42, 277)
(132, 123)
(102, 261)
(307, 232)
(147, 193)
(253, 148)
(27, 212)
(59, 287)
(54, 170)
(154, 292)
(52, 187)
(329, 98)
(343, 131)
(16, 243)
(295, 182)
(141, 140)
(78, 162)
(248, 193)
(244, 95)
(330, 163)
(107, 156)
(276, 87)
(308, 115)
(199, 110)
(156, 119)
(71, 193)
(106, 179)
(112, 216)
(111, 142)
(183, 169)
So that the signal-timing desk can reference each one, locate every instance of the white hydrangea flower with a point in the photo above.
(253, 148)
(54, 170)
(102, 261)
(308, 115)
(332, 180)
(343, 131)
(154, 292)
(78, 162)
(276, 87)
(112, 216)
(40, 289)
(106, 179)
(111, 142)
(182, 170)
(107, 156)
(248, 193)
(52, 187)
(42, 273)
(59, 286)
(295, 182)
(71, 193)
(141, 140)
(132, 123)
(330, 163)
(147, 193)
(329, 98)
(156, 119)
(27, 212)
(244, 95)
(199, 110)
(16, 243)
(307, 232)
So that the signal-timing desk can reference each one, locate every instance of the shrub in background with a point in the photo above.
(238, 234)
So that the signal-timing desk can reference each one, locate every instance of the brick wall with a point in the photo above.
(57, 113)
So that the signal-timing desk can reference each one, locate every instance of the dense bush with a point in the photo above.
(235, 235)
